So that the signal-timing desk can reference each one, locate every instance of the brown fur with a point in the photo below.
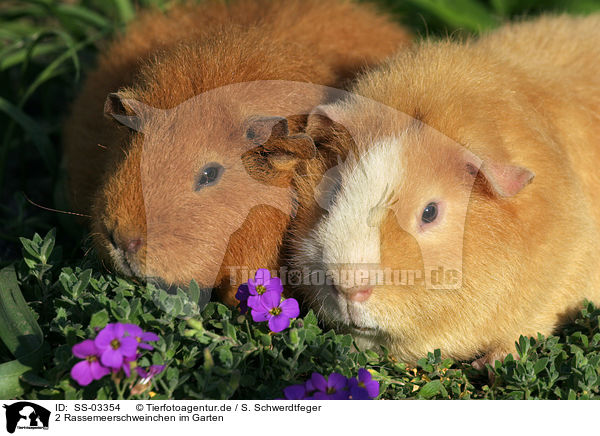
(527, 95)
(162, 61)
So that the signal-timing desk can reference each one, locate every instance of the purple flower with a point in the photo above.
(126, 367)
(263, 284)
(147, 375)
(334, 388)
(115, 346)
(141, 336)
(278, 313)
(89, 369)
(365, 388)
(295, 392)
(242, 295)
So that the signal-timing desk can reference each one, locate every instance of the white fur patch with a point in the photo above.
(350, 233)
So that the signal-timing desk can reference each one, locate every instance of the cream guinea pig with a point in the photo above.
(480, 157)
(189, 188)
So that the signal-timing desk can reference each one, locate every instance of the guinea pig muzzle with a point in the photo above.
(353, 313)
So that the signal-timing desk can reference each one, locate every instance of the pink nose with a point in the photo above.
(134, 245)
(130, 243)
(356, 293)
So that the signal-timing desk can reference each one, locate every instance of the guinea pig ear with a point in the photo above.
(284, 153)
(281, 150)
(260, 128)
(506, 180)
(321, 123)
(127, 111)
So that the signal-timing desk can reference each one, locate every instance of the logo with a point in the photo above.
(26, 415)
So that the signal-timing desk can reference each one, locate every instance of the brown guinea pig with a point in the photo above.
(198, 187)
(464, 214)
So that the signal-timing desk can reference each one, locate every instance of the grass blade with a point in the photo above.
(19, 330)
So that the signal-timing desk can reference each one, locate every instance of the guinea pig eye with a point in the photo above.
(209, 175)
(430, 213)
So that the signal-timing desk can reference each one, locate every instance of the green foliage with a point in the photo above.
(444, 17)
(221, 354)
(20, 334)
(58, 296)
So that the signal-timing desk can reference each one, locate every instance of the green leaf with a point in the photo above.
(11, 372)
(294, 338)
(310, 318)
(47, 245)
(208, 360)
(125, 9)
(194, 292)
(82, 14)
(19, 332)
(99, 319)
(30, 247)
(460, 14)
(431, 389)
(540, 365)
(82, 283)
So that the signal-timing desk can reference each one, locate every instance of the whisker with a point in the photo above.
(105, 267)
(55, 210)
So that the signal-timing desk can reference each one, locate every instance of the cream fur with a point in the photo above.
(526, 100)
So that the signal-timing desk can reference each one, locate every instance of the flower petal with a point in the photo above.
(119, 329)
(275, 285)
(270, 299)
(133, 330)
(254, 301)
(320, 396)
(105, 337)
(279, 323)
(81, 373)
(290, 308)
(262, 276)
(131, 358)
(357, 392)
(340, 395)
(149, 336)
(260, 315)
(252, 287)
(84, 349)
(126, 368)
(242, 293)
(98, 371)
(157, 369)
(111, 358)
(318, 382)
(372, 387)
(364, 375)
(309, 386)
(128, 346)
(295, 392)
(337, 381)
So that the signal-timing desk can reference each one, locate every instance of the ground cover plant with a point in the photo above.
(54, 294)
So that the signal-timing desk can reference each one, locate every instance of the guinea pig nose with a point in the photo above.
(358, 294)
(129, 244)
(134, 245)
